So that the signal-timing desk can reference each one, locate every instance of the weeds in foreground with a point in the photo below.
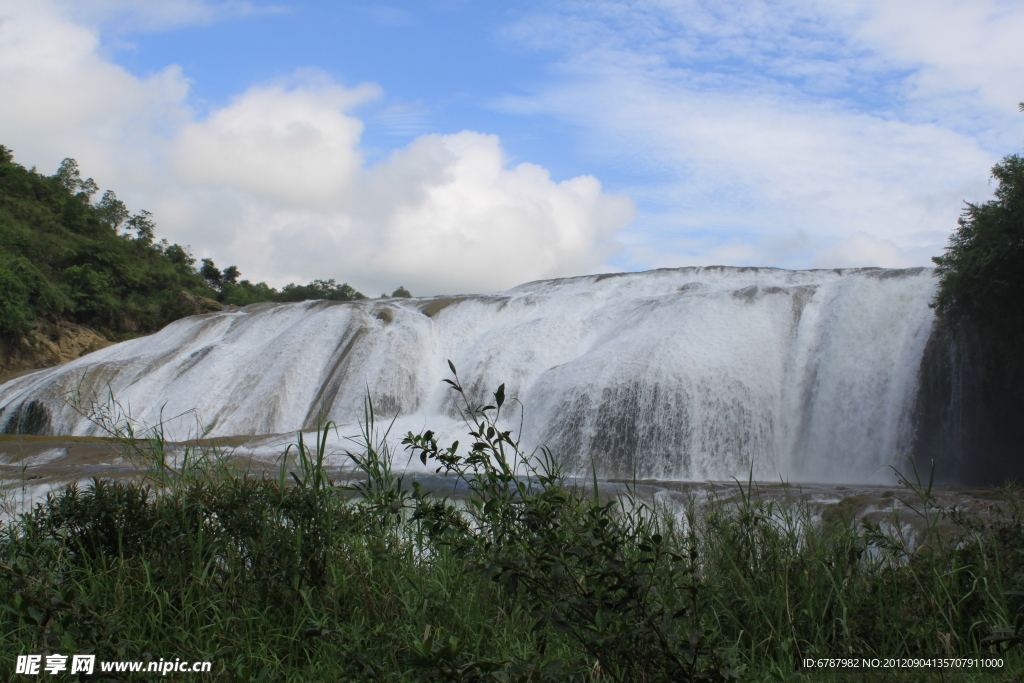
(525, 577)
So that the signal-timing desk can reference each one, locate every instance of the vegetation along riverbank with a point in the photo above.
(294, 577)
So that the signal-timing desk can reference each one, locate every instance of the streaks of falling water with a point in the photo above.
(691, 373)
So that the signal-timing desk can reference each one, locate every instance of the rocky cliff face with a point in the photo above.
(48, 345)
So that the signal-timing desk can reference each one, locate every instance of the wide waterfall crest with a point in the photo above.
(690, 373)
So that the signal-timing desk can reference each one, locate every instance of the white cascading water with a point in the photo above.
(691, 373)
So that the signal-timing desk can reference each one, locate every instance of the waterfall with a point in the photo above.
(689, 373)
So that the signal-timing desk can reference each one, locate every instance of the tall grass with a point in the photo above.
(525, 577)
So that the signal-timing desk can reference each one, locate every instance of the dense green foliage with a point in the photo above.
(61, 256)
(981, 275)
(524, 578)
(319, 289)
(95, 263)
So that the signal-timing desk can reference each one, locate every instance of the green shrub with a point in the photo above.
(25, 294)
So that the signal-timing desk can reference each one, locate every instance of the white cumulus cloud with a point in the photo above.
(62, 98)
(296, 144)
(275, 181)
(282, 168)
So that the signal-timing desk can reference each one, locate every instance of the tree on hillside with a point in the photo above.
(230, 275)
(211, 273)
(71, 178)
(112, 210)
(144, 226)
(982, 271)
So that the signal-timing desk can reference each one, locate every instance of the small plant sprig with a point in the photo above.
(494, 455)
(381, 490)
(146, 446)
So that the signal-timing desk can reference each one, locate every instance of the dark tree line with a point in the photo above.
(973, 388)
(981, 278)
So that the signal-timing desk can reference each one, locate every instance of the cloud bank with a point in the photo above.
(797, 133)
(800, 133)
(275, 180)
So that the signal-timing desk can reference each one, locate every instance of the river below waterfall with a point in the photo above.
(31, 467)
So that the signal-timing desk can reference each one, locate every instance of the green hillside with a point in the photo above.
(64, 256)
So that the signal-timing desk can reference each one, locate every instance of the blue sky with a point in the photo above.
(461, 145)
(444, 67)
